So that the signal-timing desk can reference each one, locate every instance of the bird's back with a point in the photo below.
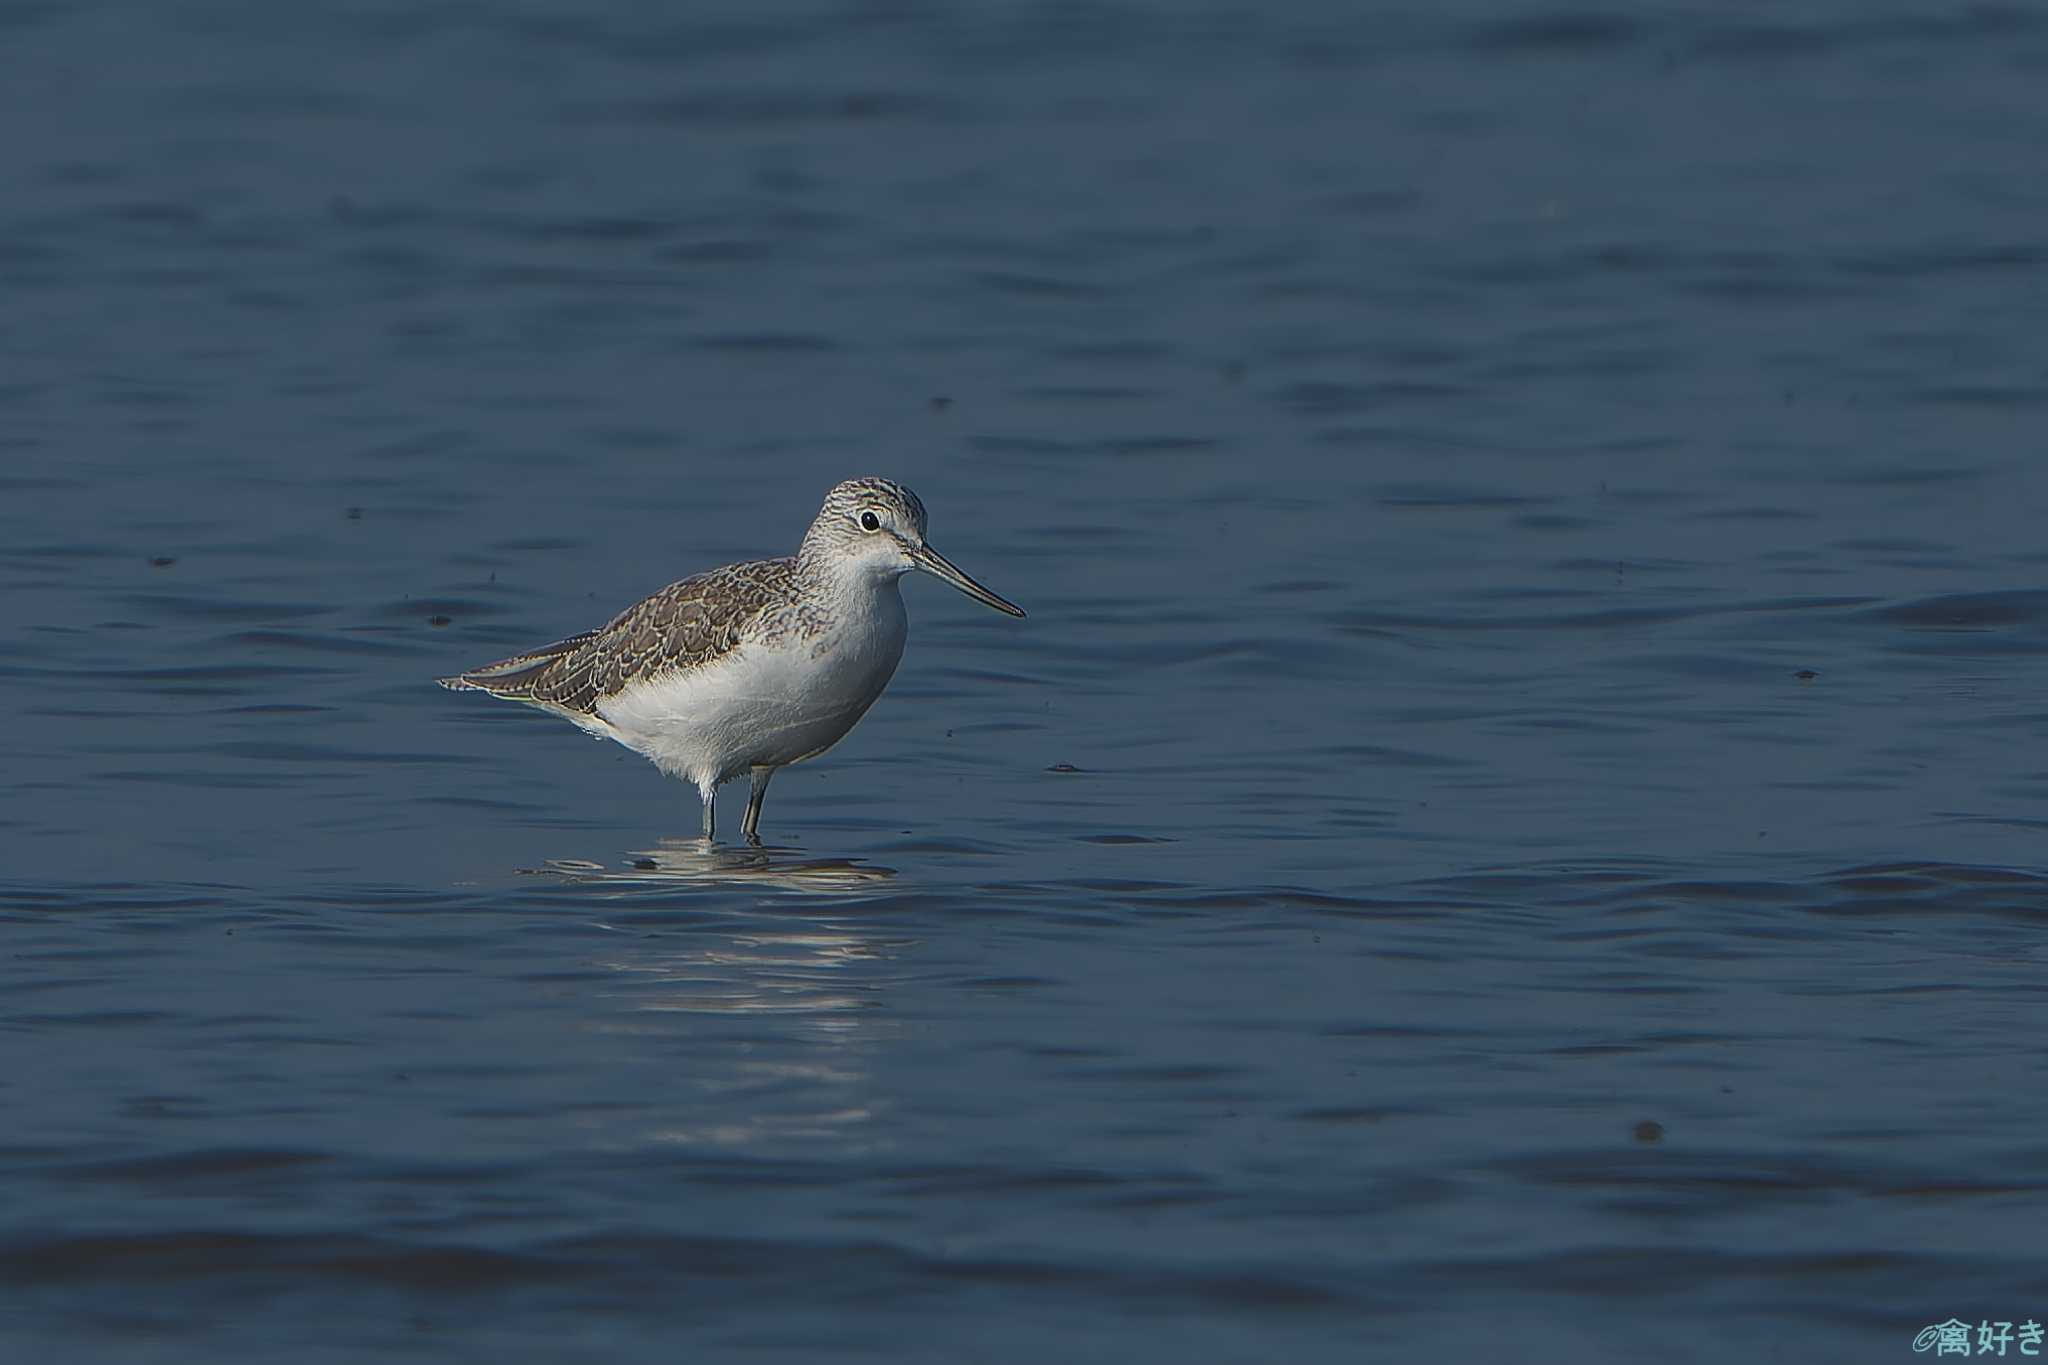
(684, 626)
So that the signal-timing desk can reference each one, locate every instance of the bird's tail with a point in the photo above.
(514, 677)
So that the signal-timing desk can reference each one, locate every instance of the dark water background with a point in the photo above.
(1434, 442)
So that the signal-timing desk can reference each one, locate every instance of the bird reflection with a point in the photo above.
(696, 860)
(811, 981)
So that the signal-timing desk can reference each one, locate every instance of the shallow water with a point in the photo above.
(1513, 827)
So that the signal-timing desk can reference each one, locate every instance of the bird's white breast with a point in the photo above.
(765, 702)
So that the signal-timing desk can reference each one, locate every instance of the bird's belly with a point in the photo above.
(758, 705)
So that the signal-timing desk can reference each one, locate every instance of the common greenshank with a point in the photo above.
(751, 667)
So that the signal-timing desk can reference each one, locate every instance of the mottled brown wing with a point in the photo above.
(685, 625)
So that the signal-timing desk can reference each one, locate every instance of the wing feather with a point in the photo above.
(685, 625)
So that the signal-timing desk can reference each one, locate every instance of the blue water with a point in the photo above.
(1513, 829)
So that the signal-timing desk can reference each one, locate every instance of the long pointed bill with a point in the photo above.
(932, 562)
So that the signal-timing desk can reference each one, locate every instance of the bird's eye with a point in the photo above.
(870, 522)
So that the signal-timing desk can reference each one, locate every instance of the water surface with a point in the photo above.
(1513, 826)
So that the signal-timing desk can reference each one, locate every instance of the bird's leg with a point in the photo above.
(750, 824)
(710, 795)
